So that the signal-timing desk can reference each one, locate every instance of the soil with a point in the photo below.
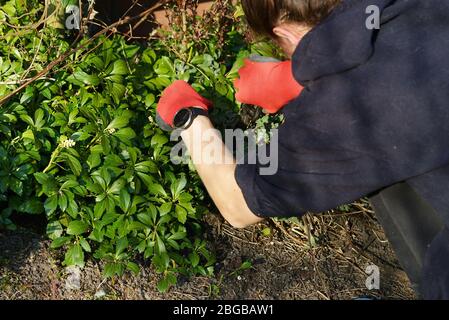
(319, 257)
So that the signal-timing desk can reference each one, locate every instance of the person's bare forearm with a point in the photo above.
(217, 172)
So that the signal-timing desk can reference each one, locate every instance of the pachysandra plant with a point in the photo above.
(80, 144)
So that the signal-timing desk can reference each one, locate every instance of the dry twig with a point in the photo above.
(69, 52)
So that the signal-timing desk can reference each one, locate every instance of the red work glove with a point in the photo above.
(177, 96)
(269, 85)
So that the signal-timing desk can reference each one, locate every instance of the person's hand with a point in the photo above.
(269, 85)
(177, 96)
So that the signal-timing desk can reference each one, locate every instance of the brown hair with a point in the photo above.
(264, 15)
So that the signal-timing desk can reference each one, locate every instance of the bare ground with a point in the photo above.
(320, 257)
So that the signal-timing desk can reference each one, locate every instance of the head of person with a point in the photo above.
(286, 21)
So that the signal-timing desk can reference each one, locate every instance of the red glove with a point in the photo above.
(269, 85)
(177, 96)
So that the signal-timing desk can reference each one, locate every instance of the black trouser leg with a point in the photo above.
(410, 225)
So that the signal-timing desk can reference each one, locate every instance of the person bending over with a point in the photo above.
(365, 97)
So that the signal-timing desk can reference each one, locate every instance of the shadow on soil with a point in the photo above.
(281, 265)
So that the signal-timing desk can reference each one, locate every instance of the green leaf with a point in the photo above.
(112, 269)
(131, 50)
(59, 242)
(100, 181)
(164, 67)
(141, 246)
(79, 136)
(146, 179)
(159, 140)
(74, 256)
(246, 265)
(74, 164)
(51, 204)
(106, 145)
(160, 245)
(149, 56)
(152, 212)
(109, 270)
(185, 197)
(238, 64)
(117, 90)
(77, 227)
(165, 219)
(28, 134)
(122, 244)
(85, 245)
(9, 8)
(194, 259)
(171, 278)
(27, 95)
(54, 229)
(99, 208)
(97, 235)
(16, 186)
(113, 160)
(119, 122)
(163, 285)
(160, 82)
(266, 232)
(69, 184)
(39, 118)
(125, 134)
(165, 208)
(149, 100)
(72, 207)
(178, 236)
(7, 117)
(177, 186)
(125, 200)
(145, 219)
(62, 201)
(181, 214)
(116, 78)
(157, 189)
(31, 206)
(80, 77)
(26, 118)
(133, 267)
(120, 68)
(96, 61)
(136, 225)
(117, 186)
(94, 160)
(146, 167)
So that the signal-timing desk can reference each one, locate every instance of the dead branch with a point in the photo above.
(69, 52)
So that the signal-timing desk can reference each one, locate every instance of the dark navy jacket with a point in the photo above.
(374, 112)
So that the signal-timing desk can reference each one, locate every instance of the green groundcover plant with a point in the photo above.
(81, 146)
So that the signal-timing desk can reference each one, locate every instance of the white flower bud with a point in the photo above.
(69, 143)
